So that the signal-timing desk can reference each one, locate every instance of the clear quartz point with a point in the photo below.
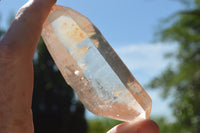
(92, 68)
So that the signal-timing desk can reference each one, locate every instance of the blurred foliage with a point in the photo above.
(55, 108)
(11, 18)
(9, 22)
(170, 127)
(2, 30)
(183, 79)
(101, 125)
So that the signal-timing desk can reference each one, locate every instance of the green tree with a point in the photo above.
(55, 108)
(183, 79)
(9, 22)
(2, 31)
(168, 127)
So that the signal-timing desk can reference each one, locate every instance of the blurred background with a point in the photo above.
(158, 40)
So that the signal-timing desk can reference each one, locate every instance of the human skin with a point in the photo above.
(16, 72)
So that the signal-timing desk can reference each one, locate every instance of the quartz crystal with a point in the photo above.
(92, 68)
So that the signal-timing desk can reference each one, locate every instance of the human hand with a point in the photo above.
(16, 69)
(145, 126)
(16, 81)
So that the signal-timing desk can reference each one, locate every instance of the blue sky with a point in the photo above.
(129, 26)
(120, 21)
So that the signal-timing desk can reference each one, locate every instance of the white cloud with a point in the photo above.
(147, 61)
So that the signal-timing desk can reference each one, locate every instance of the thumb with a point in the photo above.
(24, 33)
(145, 126)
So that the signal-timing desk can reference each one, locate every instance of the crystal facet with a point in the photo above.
(92, 68)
